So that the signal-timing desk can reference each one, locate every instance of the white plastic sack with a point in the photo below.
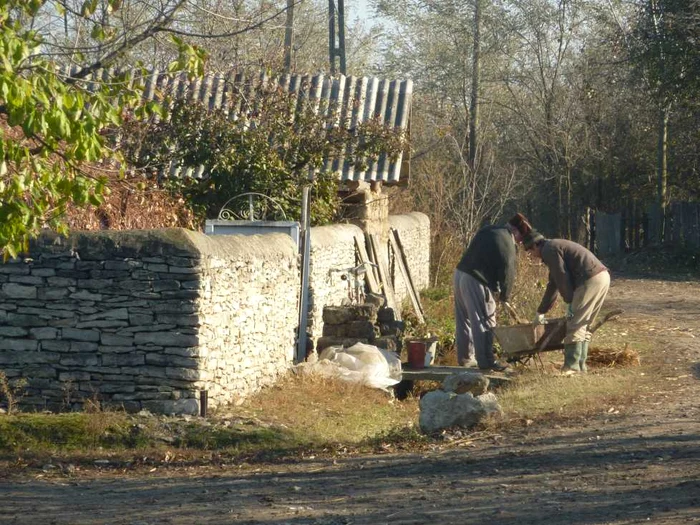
(361, 363)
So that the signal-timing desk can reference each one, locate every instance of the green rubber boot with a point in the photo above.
(572, 358)
(584, 356)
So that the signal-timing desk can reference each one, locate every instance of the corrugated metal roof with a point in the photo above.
(356, 99)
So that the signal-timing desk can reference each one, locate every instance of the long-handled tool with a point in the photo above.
(513, 313)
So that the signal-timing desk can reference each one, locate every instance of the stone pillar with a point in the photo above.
(365, 206)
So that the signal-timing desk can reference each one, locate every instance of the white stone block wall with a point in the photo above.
(248, 309)
(414, 231)
(332, 249)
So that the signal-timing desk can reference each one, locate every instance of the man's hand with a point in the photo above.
(539, 319)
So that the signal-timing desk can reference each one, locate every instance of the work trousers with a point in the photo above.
(586, 304)
(475, 316)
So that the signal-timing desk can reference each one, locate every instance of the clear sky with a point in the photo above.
(355, 9)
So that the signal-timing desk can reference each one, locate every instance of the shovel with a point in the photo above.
(513, 313)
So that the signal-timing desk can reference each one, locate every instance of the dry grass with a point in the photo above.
(323, 410)
(613, 357)
(132, 204)
(537, 395)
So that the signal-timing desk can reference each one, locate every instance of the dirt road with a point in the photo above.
(639, 466)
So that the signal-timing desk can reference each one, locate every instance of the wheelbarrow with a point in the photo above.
(523, 341)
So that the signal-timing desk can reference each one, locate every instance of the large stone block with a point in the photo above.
(184, 374)
(114, 313)
(75, 334)
(43, 272)
(61, 282)
(345, 314)
(179, 320)
(461, 383)
(73, 376)
(440, 410)
(42, 371)
(166, 285)
(165, 339)
(79, 360)
(45, 332)
(176, 407)
(14, 269)
(172, 360)
(29, 280)
(107, 349)
(18, 344)
(55, 346)
(116, 340)
(102, 324)
(84, 295)
(123, 359)
(13, 331)
(19, 291)
(148, 372)
(52, 294)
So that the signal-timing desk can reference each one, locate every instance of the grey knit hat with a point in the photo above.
(531, 239)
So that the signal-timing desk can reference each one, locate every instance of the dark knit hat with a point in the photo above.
(531, 239)
(520, 223)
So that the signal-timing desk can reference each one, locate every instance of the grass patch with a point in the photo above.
(536, 395)
(323, 410)
(49, 433)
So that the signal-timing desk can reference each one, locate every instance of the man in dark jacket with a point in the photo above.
(582, 281)
(486, 270)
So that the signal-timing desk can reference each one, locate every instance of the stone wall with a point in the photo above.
(414, 231)
(148, 319)
(332, 250)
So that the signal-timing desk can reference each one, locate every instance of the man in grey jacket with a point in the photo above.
(582, 281)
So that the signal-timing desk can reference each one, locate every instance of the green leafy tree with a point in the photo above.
(52, 125)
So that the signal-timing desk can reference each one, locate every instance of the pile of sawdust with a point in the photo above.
(613, 357)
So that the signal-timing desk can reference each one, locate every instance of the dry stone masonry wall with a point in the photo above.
(148, 319)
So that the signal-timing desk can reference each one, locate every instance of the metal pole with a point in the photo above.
(305, 257)
(341, 36)
(203, 403)
(331, 34)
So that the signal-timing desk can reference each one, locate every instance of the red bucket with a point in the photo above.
(416, 354)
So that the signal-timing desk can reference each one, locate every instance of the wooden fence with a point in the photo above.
(636, 228)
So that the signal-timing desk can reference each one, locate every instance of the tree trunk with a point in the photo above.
(474, 103)
(560, 207)
(662, 170)
(289, 36)
(567, 212)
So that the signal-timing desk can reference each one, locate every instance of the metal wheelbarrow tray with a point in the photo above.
(523, 340)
